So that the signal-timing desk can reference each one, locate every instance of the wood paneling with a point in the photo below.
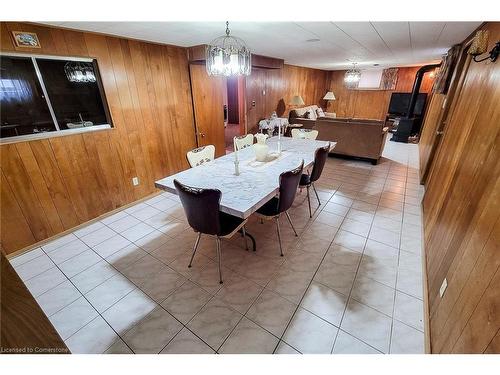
(273, 89)
(23, 324)
(371, 104)
(52, 185)
(461, 210)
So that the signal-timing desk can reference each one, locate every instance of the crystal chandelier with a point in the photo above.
(79, 72)
(352, 77)
(228, 56)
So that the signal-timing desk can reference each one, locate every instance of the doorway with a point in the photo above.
(234, 113)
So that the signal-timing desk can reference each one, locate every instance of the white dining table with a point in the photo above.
(256, 183)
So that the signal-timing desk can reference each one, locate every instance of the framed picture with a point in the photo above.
(25, 39)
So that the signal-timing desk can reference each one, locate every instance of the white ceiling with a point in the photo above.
(340, 43)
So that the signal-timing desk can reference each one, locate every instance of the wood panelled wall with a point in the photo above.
(51, 185)
(462, 216)
(273, 89)
(371, 104)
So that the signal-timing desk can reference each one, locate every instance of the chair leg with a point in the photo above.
(195, 248)
(291, 224)
(279, 234)
(244, 231)
(309, 202)
(317, 196)
(219, 258)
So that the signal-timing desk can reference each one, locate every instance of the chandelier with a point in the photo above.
(352, 77)
(228, 56)
(79, 72)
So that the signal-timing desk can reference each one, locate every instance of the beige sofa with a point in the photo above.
(362, 138)
(296, 116)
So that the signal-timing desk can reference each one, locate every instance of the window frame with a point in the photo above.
(60, 132)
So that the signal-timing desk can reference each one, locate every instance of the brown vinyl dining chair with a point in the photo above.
(308, 180)
(202, 208)
(272, 209)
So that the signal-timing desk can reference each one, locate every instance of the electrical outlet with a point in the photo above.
(443, 288)
(135, 181)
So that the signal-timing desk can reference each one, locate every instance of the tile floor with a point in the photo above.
(350, 283)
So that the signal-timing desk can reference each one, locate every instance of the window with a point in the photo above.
(42, 96)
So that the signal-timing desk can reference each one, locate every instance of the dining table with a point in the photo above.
(256, 183)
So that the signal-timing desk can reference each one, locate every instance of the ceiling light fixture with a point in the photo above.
(352, 77)
(228, 56)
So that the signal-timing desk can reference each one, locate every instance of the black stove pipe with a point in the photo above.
(416, 87)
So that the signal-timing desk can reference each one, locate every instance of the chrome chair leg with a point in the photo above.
(195, 248)
(309, 202)
(317, 196)
(291, 224)
(279, 234)
(243, 230)
(219, 258)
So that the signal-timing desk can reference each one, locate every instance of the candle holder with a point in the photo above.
(236, 167)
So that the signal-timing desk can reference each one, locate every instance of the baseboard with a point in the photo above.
(67, 231)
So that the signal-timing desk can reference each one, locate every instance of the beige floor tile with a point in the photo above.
(284, 348)
(171, 250)
(313, 245)
(303, 261)
(57, 298)
(79, 263)
(153, 332)
(109, 292)
(214, 323)
(350, 240)
(45, 281)
(185, 342)
(98, 236)
(409, 310)
(329, 218)
(272, 312)
(34, 267)
(94, 338)
(325, 303)
(347, 344)
(145, 213)
(137, 231)
(310, 334)
(249, 338)
(355, 227)
(52, 245)
(152, 241)
(373, 294)
(361, 216)
(124, 223)
(93, 276)
(26, 257)
(290, 284)
(406, 340)
(71, 318)
(368, 325)
(186, 301)
(111, 245)
(338, 277)
(384, 236)
(67, 251)
(160, 285)
(141, 270)
(126, 256)
(239, 293)
(88, 229)
(129, 311)
(119, 347)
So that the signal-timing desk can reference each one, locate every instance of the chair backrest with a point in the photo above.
(320, 157)
(201, 207)
(305, 133)
(201, 155)
(289, 181)
(243, 141)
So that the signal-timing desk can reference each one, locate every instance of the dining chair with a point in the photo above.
(308, 180)
(305, 133)
(201, 155)
(202, 208)
(243, 141)
(272, 209)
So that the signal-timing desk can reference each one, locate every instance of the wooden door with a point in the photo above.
(208, 102)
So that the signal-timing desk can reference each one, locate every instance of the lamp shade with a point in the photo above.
(329, 96)
(297, 100)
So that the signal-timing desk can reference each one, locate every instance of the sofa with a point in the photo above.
(363, 138)
(296, 116)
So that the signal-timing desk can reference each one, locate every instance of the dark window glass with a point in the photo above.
(23, 109)
(74, 92)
